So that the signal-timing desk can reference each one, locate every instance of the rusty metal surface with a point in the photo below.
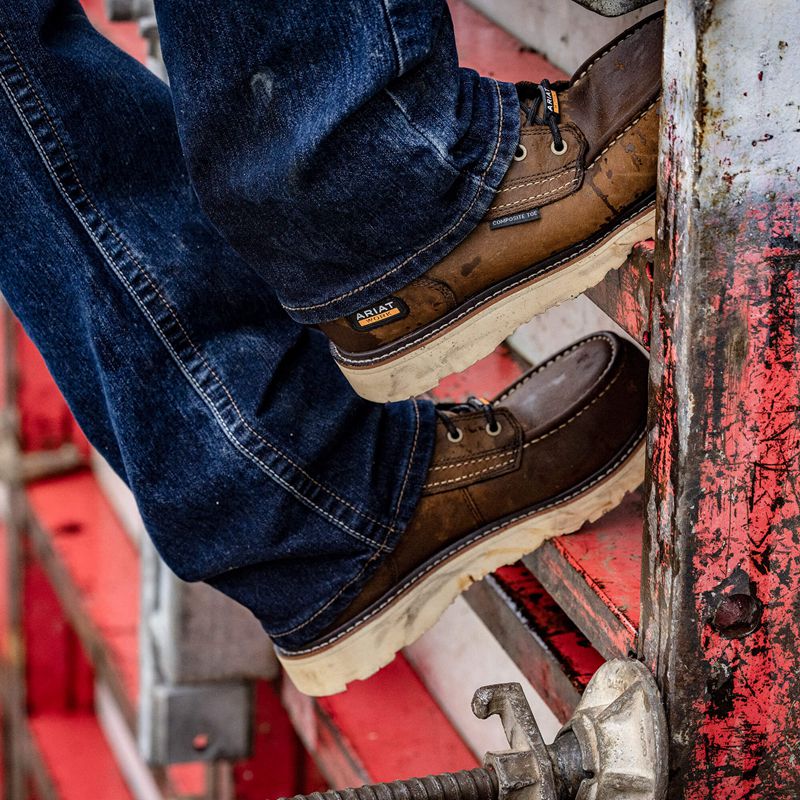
(720, 617)
(626, 294)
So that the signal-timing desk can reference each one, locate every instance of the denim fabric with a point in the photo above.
(335, 143)
(254, 465)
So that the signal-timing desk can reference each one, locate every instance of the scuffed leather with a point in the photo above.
(562, 423)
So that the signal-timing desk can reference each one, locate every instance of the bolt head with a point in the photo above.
(737, 616)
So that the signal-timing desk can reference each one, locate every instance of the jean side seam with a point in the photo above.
(480, 187)
(152, 318)
(357, 577)
(409, 465)
(398, 54)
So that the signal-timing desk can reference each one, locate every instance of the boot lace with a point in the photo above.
(539, 103)
(447, 411)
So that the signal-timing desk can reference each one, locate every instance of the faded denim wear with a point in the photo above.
(336, 151)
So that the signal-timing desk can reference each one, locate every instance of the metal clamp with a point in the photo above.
(613, 747)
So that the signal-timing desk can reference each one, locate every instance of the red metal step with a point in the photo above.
(595, 576)
(354, 736)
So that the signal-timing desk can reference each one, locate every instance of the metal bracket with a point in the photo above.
(621, 730)
(613, 748)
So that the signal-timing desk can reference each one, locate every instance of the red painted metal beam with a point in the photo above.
(595, 576)
(720, 617)
(94, 774)
(58, 677)
(45, 420)
(94, 569)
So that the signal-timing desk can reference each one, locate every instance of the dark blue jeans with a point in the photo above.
(310, 158)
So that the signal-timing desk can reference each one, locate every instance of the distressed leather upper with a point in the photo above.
(562, 425)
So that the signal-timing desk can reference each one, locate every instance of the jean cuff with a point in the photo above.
(415, 427)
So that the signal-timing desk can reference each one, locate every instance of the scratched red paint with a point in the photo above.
(608, 553)
(748, 516)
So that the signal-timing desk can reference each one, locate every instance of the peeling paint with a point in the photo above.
(721, 584)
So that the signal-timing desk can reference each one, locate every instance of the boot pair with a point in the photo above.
(562, 445)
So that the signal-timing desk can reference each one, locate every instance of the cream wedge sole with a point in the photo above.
(372, 643)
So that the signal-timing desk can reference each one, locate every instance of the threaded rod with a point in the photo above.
(473, 784)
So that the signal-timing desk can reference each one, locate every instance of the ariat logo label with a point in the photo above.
(550, 100)
(515, 219)
(390, 309)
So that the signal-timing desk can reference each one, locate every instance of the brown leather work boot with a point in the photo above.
(579, 194)
(560, 447)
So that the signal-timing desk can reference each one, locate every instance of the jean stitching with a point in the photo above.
(372, 558)
(174, 315)
(395, 41)
(409, 463)
(154, 322)
(479, 189)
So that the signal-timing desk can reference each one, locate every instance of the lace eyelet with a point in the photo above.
(522, 153)
(564, 148)
(494, 431)
(455, 439)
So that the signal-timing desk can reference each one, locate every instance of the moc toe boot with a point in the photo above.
(559, 448)
(578, 195)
